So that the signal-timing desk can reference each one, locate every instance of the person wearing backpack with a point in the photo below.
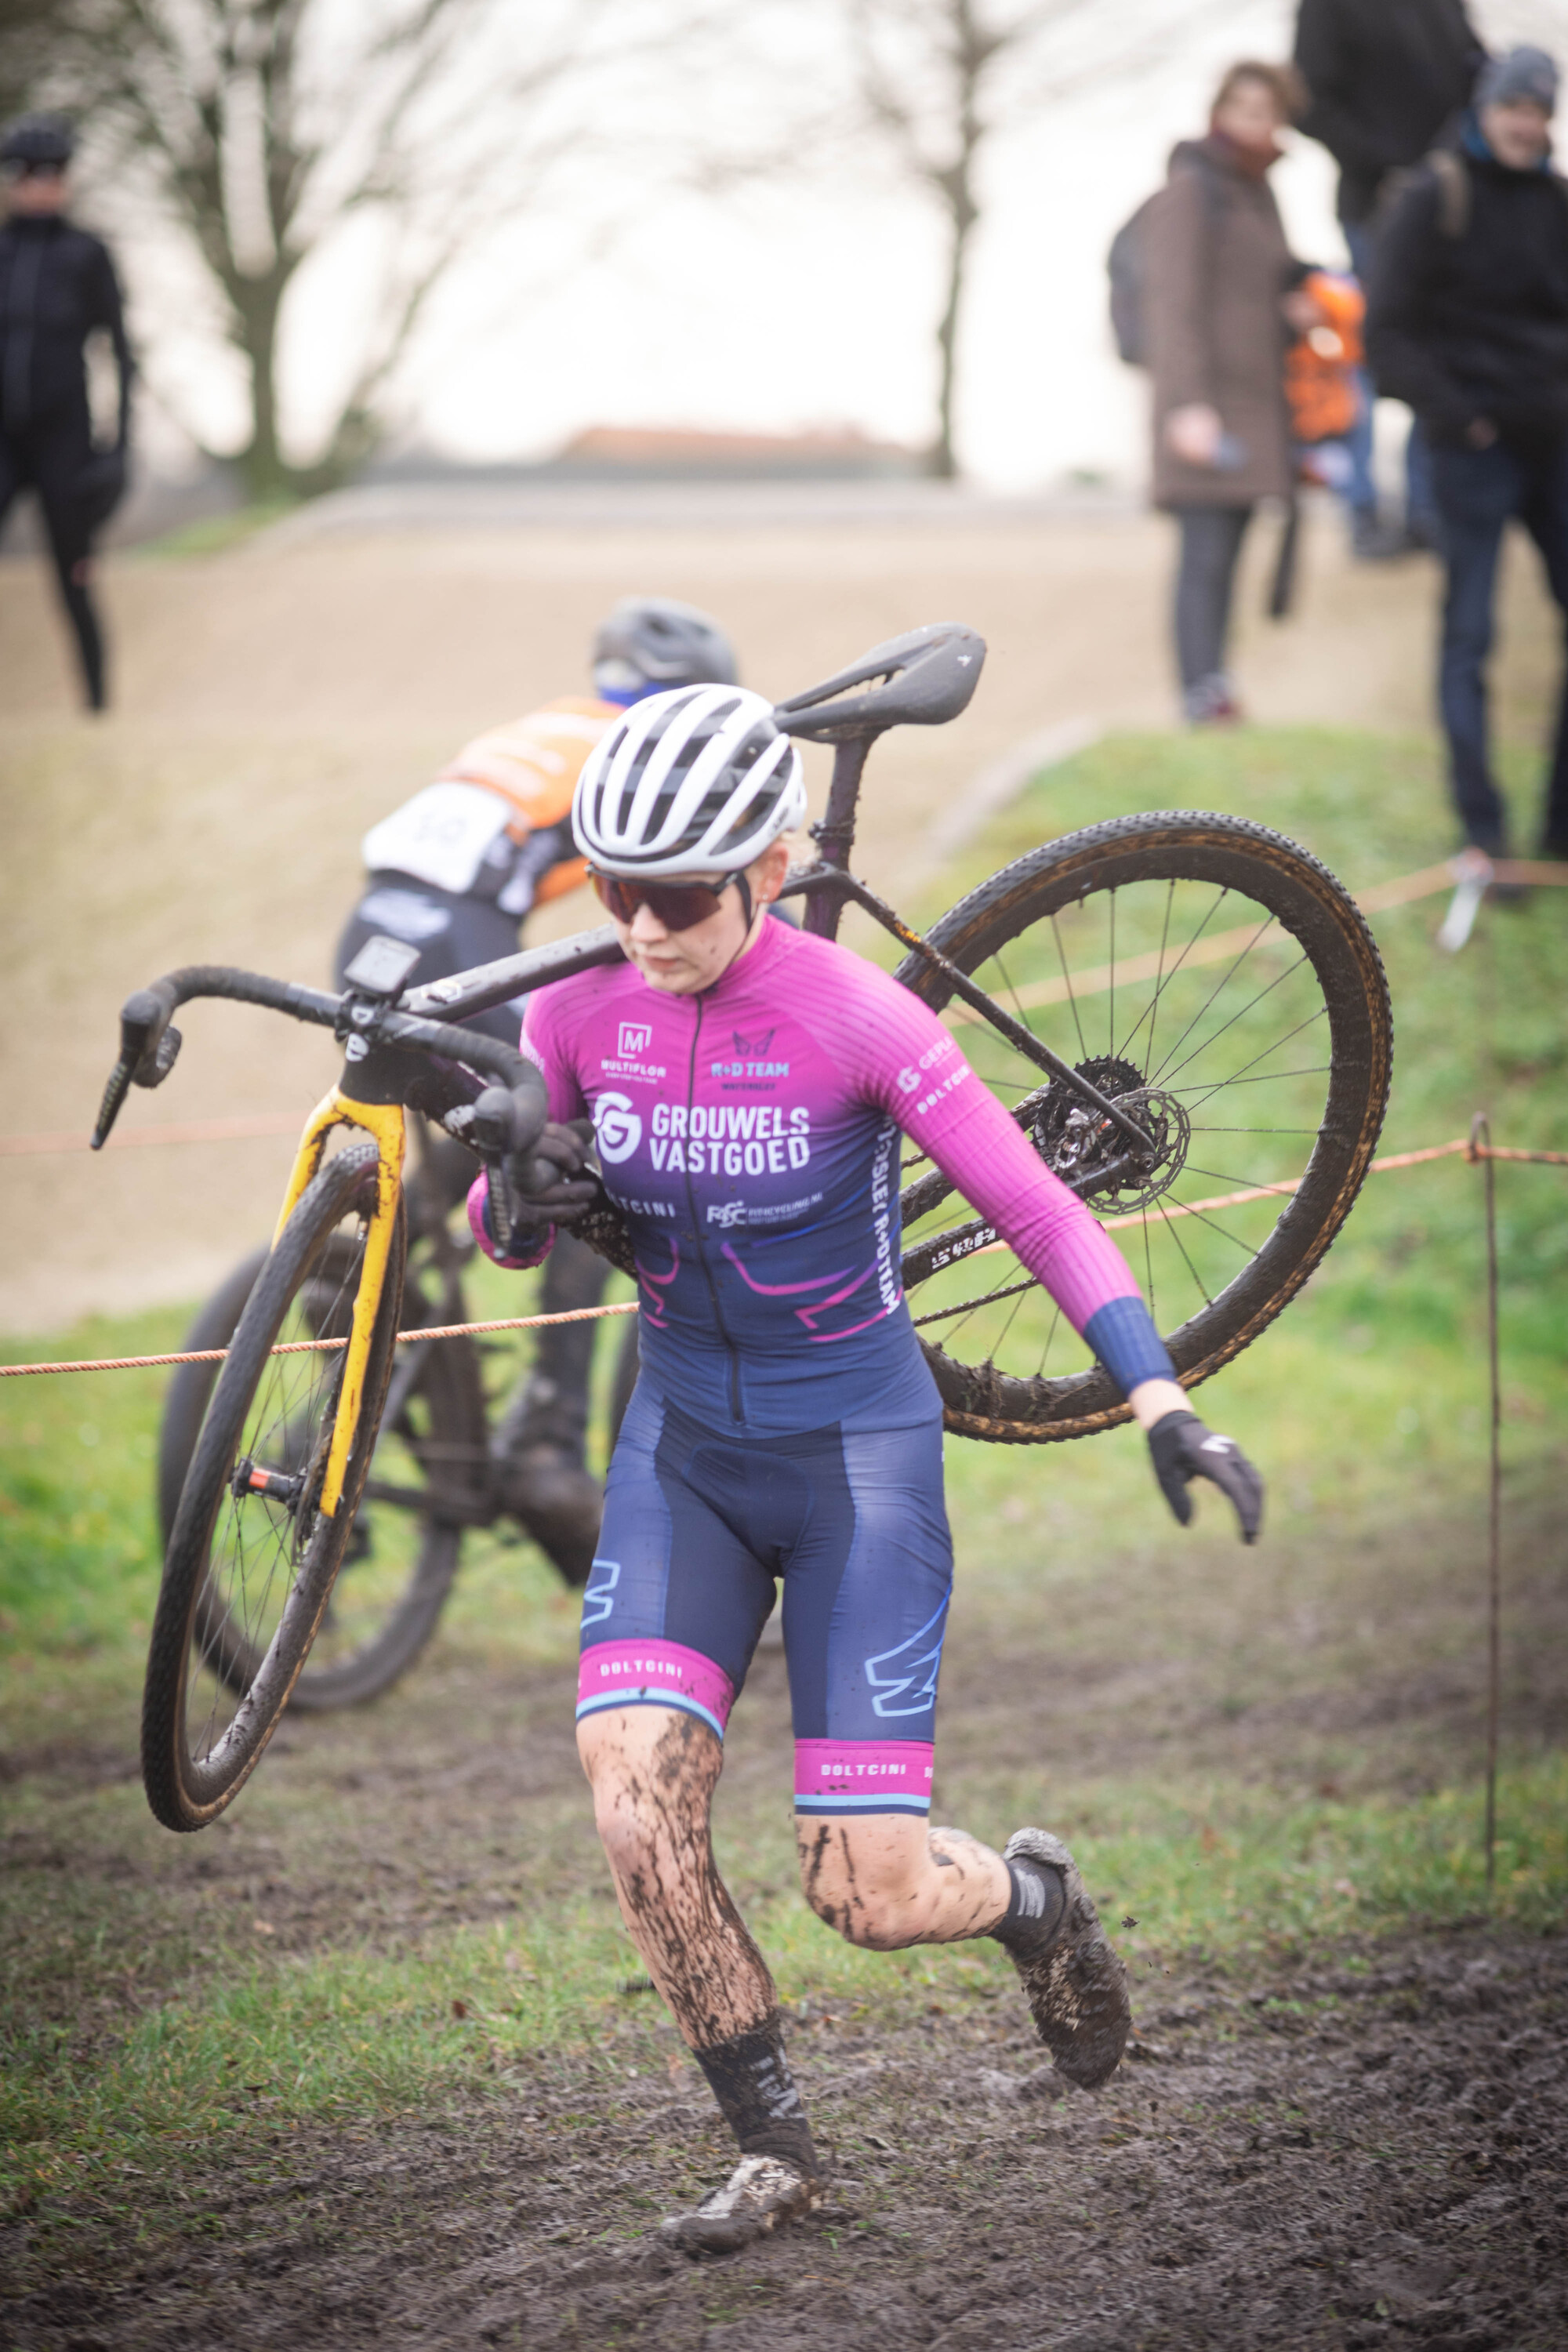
(1467, 322)
(1215, 268)
(1385, 78)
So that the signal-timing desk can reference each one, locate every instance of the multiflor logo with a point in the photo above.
(617, 1127)
(636, 1036)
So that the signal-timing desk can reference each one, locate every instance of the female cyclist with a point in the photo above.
(747, 1085)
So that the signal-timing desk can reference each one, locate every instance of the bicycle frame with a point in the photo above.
(386, 1124)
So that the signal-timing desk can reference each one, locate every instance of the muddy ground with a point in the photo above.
(1357, 2155)
(1353, 2142)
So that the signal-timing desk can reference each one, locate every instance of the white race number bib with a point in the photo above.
(440, 836)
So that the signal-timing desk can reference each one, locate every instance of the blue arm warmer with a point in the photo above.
(1123, 1336)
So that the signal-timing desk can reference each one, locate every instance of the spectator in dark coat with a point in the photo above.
(1468, 323)
(57, 288)
(1385, 78)
(1215, 274)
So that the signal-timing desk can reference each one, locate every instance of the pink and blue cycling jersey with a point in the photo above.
(750, 1136)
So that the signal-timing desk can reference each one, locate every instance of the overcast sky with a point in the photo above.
(791, 305)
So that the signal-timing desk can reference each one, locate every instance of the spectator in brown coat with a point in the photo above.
(1216, 277)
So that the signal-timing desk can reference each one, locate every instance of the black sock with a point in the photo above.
(1034, 1912)
(750, 2078)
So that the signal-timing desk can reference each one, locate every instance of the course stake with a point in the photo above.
(1480, 1140)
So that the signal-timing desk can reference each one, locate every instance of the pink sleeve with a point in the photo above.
(919, 1076)
(548, 1029)
(543, 1040)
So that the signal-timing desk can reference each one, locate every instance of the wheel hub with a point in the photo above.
(1084, 1148)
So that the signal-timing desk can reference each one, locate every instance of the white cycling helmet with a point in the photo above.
(698, 781)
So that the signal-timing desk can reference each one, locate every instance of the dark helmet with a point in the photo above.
(650, 643)
(47, 140)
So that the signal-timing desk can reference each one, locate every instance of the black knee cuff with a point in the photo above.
(750, 2077)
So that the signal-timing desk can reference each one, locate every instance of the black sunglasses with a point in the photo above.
(678, 906)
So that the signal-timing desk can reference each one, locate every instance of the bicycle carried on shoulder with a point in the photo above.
(1226, 1006)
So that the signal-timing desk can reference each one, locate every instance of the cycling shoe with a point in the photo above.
(761, 2193)
(1075, 1984)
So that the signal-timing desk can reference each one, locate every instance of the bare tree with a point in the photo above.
(939, 81)
(265, 132)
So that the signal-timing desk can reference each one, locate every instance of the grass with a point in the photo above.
(1234, 1814)
(356, 2033)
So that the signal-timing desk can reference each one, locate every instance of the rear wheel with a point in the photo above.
(1218, 982)
(252, 1558)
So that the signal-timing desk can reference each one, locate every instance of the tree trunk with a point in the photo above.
(942, 460)
(257, 302)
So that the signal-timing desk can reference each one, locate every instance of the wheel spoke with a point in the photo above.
(1067, 981)
(1224, 981)
(1217, 1034)
(1175, 1237)
(1050, 1335)
(1152, 1014)
(1236, 1075)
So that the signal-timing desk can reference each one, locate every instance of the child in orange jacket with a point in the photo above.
(1326, 311)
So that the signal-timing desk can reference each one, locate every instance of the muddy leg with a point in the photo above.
(653, 1772)
(887, 1880)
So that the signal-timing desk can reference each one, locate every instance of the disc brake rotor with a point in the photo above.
(1081, 1146)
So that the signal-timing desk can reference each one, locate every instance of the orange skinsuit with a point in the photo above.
(534, 763)
(1320, 383)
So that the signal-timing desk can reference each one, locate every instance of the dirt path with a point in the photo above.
(1370, 2151)
(276, 700)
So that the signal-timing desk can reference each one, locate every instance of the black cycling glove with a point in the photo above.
(1183, 1450)
(552, 1184)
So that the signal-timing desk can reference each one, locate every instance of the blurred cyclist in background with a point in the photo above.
(57, 288)
(456, 872)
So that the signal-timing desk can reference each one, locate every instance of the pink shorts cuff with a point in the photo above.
(863, 1776)
(653, 1674)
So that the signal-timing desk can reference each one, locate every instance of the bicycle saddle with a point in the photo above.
(920, 679)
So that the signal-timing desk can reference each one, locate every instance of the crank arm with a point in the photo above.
(429, 1502)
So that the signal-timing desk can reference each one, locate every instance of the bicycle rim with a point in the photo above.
(1219, 980)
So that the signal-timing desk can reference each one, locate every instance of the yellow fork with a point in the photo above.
(385, 1125)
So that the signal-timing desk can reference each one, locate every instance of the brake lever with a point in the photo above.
(148, 1052)
(489, 1126)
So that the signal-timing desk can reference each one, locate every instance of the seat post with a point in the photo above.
(835, 837)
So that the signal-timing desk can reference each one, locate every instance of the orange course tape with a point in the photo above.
(1463, 1144)
(320, 1347)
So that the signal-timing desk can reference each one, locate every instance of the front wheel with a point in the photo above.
(1219, 982)
(428, 1481)
(252, 1558)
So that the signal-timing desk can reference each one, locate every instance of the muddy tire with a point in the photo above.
(404, 1551)
(248, 1573)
